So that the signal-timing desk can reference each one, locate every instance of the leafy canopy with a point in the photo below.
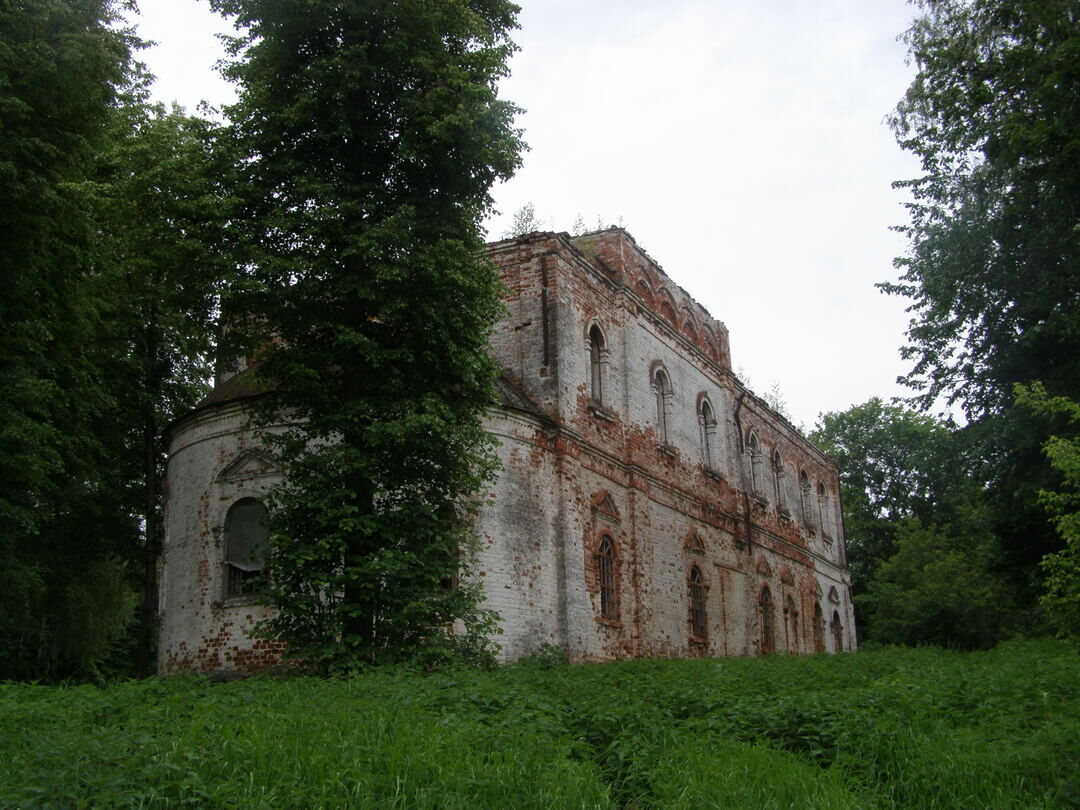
(994, 266)
(367, 137)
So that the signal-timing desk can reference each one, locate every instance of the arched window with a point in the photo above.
(663, 404)
(596, 362)
(768, 635)
(824, 515)
(605, 566)
(708, 435)
(791, 619)
(819, 629)
(698, 621)
(756, 477)
(246, 535)
(806, 496)
(837, 632)
(781, 480)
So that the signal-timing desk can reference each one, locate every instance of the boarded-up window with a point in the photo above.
(780, 477)
(605, 563)
(807, 498)
(246, 535)
(768, 633)
(698, 623)
(755, 464)
(819, 630)
(837, 632)
(791, 618)
(663, 405)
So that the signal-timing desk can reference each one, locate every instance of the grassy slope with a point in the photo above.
(896, 728)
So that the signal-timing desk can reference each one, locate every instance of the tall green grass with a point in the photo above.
(889, 729)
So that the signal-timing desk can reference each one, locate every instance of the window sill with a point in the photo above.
(240, 600)
(759, 499)
(668, 450)
(601, 412)
(607, 622)
(715, 475)
(699, 641)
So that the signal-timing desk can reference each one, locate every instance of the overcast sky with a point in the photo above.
(741, 142)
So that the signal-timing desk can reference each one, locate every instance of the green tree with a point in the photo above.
(1061, 570)
(993, 268)
(370, 134)
(63, 64)
(939, 586)
(160, 213)
(923, 556)
(895, 464)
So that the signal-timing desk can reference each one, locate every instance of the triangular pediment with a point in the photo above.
(786, 576)
(763, 567)
(834, 595)
(604, 504)
(817, 589)
(249, 464)
(693, 542)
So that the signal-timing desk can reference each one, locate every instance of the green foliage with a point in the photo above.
(367, 137)
(525, 221)
(1061, 570)
(993, 268)
(160, 214)
(63, 68)
(108, 208)
(936, 589)
(890, 729)
(923, 555)
(895, 464)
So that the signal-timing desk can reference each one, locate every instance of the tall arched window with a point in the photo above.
(708, 435)
(596, 362)
(605, 566)
(791, 618)
(819, 629)
(663, 404)
(806, 496)
(837, 632)
(780, 478)
(768, 633)
(246, 535)
(757, 479)
(824, 516)
(698, 621)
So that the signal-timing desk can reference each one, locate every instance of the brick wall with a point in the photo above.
(575, 469)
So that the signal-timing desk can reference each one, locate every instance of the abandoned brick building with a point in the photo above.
(648, 503)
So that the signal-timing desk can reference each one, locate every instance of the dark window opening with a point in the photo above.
(605, 563)
(596, 363)
(246, 536)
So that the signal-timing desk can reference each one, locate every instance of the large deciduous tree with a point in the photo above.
(993, 268)
(160, 212)
(916, 524)
(369, 133)
(895, 464)
(63, 597)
